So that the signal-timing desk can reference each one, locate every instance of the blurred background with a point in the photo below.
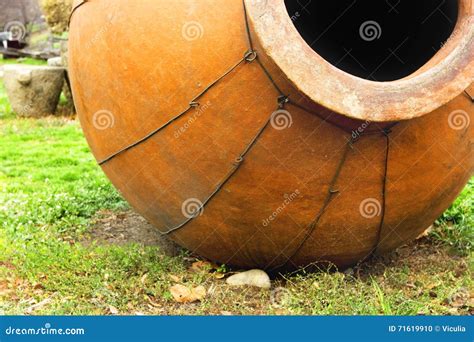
(33, 38)
(33, 28)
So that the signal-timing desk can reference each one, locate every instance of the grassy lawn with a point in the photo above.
(52, 194)
(29, 61)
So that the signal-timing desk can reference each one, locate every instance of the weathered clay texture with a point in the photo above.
(328, 177)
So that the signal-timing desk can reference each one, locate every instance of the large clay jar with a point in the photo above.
(266, 134)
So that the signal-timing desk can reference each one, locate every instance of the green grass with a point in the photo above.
(26, 60)
(458, 221)
(51, 190)
(5, 109)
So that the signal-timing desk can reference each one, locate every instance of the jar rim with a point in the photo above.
(439, 81)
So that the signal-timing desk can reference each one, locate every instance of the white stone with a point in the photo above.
(257, 278)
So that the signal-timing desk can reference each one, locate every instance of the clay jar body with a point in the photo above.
(229, 133)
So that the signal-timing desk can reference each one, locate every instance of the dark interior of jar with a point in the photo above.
(382, 40)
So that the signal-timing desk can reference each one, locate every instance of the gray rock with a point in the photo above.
(55, 62)
(66, 90)
(63, 62)
(33, 91)
(256, 278)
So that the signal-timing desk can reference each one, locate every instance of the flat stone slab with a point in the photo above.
(33, 91)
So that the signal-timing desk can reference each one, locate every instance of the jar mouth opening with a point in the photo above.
(378, 41)
(426, 78)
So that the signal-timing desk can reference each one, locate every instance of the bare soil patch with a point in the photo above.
(128, 227)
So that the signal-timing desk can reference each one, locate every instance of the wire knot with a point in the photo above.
(283, 100)
(238, 161)
(250, 56)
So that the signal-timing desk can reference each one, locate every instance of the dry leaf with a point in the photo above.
(39, 305)
(38, 286)
(152, 302)
(199, 292)
(183, 294)
(4, 288)
(211, 290)
(3, 285)
(175, 278)
(7, 265)
(180, 293)
(425, 233)
(113, 310)
(432, 286)
(453, 311)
